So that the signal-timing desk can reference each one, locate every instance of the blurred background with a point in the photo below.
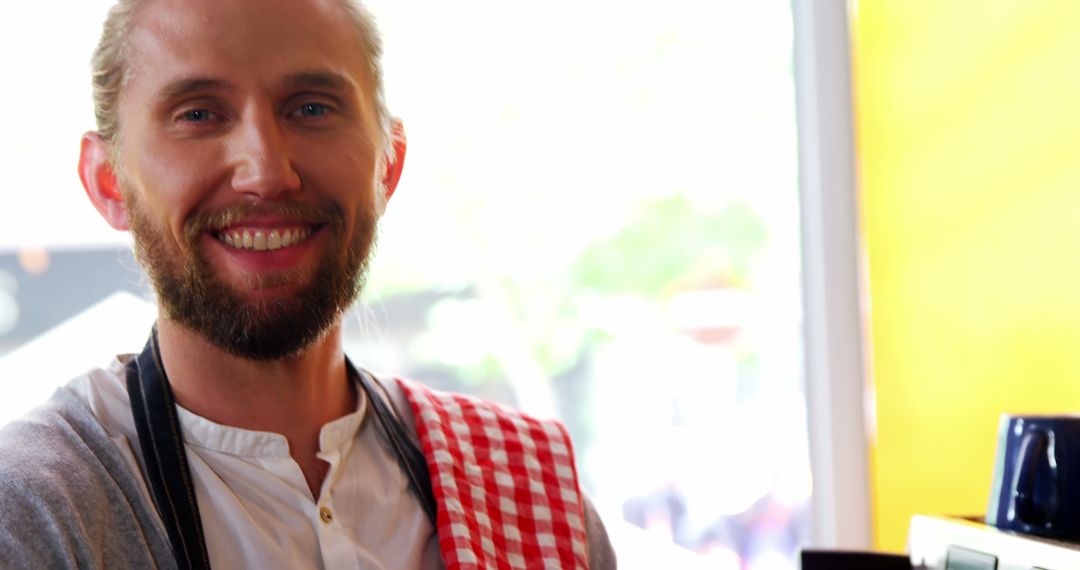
(665, 224)
(599, 221)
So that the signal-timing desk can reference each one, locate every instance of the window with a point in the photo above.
(598, 220)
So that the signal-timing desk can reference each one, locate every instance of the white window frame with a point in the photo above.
(835, 372)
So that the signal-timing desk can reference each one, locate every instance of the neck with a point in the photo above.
(293, 396)
(308, 388)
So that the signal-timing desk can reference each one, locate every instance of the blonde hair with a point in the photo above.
(109, 65)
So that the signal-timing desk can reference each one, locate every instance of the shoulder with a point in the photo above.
(393, 393)
(45, 475)
(63, 486)
(601, 553)
(433, 408)
(49, 444)
(417, 403)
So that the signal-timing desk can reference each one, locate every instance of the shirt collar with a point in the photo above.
(333, 436)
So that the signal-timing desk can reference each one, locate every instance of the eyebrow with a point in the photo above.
(317, 79)
(302, 80)
(189, 85)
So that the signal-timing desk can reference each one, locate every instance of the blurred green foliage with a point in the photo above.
(670, 243)
(543, 324)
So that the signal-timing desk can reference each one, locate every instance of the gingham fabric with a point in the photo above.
(505, 484)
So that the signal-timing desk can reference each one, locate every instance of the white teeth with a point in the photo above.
(260, 240)
(264, 239)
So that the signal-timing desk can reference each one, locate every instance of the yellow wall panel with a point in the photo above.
(968, 127)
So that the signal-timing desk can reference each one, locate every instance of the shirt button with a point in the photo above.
(326, 515)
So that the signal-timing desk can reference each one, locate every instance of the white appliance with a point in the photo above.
(967, 543)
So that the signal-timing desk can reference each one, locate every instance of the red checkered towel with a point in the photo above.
(505, 484)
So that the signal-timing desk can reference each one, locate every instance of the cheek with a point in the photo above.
(171, 177)
(174, 180)
(345, 178)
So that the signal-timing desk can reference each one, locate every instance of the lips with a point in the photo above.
(263, 239)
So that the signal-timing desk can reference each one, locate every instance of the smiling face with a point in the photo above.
(249, 163)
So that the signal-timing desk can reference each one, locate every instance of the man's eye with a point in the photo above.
(197, 116)
(312, 110)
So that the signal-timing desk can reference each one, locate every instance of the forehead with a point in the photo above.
(246, 42)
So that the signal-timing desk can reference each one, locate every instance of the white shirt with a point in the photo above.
(255, 505)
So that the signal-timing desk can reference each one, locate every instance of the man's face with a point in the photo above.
(248, 158)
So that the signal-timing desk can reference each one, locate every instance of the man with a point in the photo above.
(247, 147)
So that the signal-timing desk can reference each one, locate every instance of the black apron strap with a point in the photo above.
(165, 458)
(409, 456)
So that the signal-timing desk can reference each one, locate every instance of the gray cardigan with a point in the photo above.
(68, 498)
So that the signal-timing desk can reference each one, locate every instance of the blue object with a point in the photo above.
(1036, 486)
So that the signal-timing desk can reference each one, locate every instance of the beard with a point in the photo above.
(192, 294)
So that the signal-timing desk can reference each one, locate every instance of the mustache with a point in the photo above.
(298, 212)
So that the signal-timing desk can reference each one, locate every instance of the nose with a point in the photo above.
(261, 158)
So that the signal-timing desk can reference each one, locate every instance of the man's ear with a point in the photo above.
(395, 161)
(99, 180)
